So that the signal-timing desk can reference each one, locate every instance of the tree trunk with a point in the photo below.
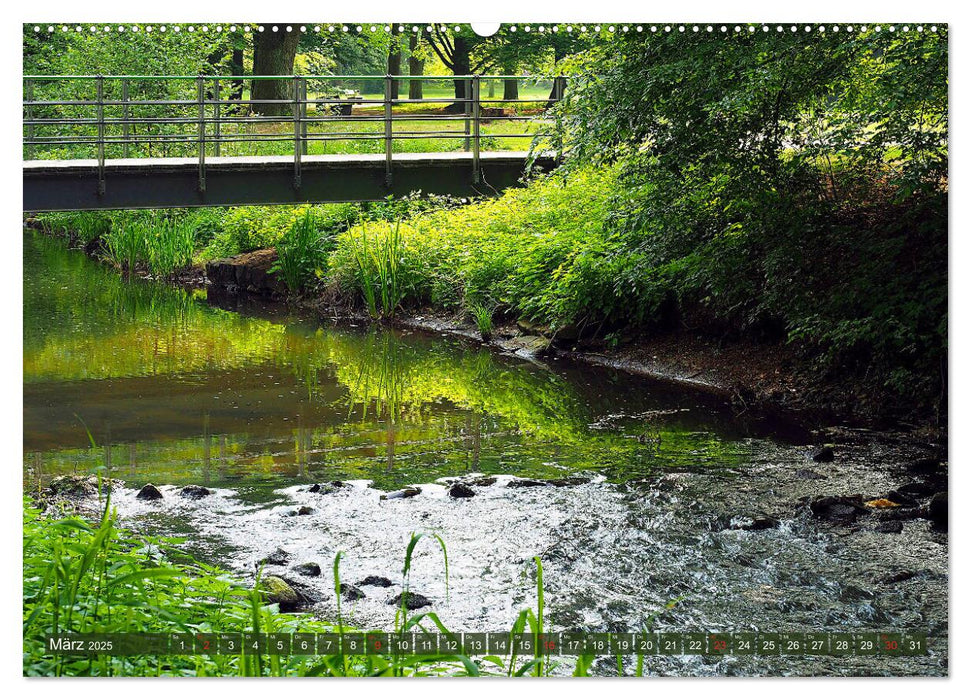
(559, 53)
(461, 65)
(551, 100)
(236, 68)
(510, 89)
(273, 54)
(416, 66)
(394, 67)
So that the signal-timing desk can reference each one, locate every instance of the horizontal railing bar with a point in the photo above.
(121, 121)
(451, 135)
(195, 103)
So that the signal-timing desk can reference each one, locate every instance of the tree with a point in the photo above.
(512, 52)
(455, 52)
(416, 66)
(394, 59)
(273, 54)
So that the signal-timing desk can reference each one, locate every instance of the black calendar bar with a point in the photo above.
(498, 643)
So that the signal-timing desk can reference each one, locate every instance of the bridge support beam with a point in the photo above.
(174, 182)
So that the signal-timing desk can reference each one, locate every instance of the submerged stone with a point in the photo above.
(309, 569)
(842, 510)
(278, 557)
(937, 510)
(568, 481)
(898, 577)
(351, 592)
(763, 522)
(148, 492)
(808, 474)
(460, 490)
(194, 491)
(409, 492)
(524, 483)
(379, 581)
(412, 601)
(824, 454)
(927, 465)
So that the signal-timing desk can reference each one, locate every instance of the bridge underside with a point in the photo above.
(143, 183)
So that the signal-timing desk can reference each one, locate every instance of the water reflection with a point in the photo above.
(157, 377)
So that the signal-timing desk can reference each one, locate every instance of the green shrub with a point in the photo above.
(302, 251)
(244, 229)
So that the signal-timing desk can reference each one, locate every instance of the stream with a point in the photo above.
(640, 497)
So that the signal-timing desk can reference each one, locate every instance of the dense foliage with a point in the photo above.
(537, 252)
(789, 184)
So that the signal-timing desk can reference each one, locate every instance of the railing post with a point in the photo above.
(467, 109)
(201, 98)
(29, 99)
(125, 116)
(476, 121)
(305, 145)
(297, 132)
(217, 132)
(101, 135)
(387, 131)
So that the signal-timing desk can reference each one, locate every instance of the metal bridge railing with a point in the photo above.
(68, 117)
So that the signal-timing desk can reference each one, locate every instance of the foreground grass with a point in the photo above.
(82, 577)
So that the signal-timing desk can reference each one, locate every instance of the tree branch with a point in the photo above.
(449, 62)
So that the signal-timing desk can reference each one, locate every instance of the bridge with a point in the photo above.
(111, 142)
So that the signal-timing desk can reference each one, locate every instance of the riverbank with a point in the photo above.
(764, 376)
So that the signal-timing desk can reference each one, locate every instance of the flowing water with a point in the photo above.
(155, 385)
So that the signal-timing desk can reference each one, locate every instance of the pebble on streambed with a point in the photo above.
(379, 581)
(149, 492)
(194, 491)
(412, 600)
(409, 492)
(309, 569)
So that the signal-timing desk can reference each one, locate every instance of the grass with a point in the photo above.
(482, 315)
(378, 269)
(150, 240)
(85, 577)
(166, 241)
